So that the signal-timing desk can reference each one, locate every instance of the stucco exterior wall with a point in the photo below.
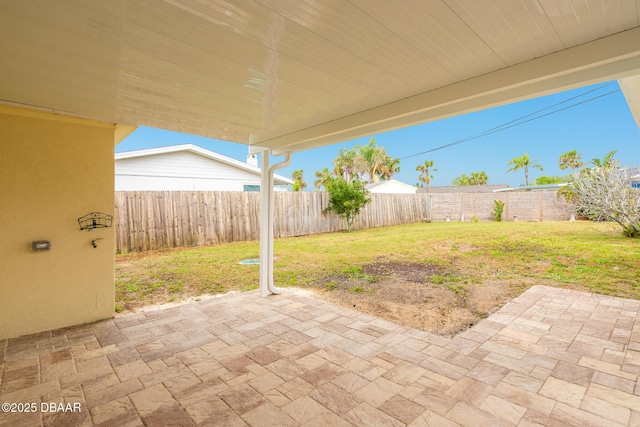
(53, 170)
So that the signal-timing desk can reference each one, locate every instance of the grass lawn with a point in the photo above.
(589, 256)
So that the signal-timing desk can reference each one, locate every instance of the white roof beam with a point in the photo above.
(631, 89)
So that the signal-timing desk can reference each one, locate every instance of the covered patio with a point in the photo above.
(282, 76)
(551, 357)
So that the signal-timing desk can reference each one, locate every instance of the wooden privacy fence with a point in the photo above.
(159, 219)
(147, 220)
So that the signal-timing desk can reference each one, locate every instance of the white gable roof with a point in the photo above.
(390, 186)
(190, 148)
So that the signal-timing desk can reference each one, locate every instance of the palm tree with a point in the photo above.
(370, 160)
(478, 178)
(345, 164)
(606, 162)
(298, 181)
(461, 180)
(425, 173)
(571, 159)
(323, 178)
(525, 163)
(390, 167)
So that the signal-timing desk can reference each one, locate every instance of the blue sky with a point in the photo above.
(593, 128)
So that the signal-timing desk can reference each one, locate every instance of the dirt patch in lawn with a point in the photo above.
(425, 296)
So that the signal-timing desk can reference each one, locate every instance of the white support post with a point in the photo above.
(266, 240)
(267, 210)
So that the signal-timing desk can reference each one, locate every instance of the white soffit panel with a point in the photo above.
(290, 75)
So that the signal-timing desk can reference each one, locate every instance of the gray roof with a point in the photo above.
(533, 187)
(465, 188)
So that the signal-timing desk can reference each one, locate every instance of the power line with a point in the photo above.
(520, 121)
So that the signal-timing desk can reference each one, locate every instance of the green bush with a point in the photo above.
(498, 209)
(346, 199)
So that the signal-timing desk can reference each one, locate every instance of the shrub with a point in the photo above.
(605, 194)
(346, 199)
(498, 209)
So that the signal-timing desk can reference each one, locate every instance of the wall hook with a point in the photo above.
(94, 242)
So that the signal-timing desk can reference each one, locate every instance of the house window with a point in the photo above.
(251, 187)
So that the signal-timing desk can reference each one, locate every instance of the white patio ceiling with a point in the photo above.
(294, 74)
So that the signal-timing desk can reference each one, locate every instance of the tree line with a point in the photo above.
(371, 164)
(600, 192)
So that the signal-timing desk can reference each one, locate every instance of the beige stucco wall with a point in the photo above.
(53, 170)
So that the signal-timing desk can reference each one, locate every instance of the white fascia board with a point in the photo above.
(630, 87)
(404, 184)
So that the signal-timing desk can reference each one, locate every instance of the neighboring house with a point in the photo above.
(635, 181)
(552, 187)
(186, 168)
(487, 188)
(391, 186)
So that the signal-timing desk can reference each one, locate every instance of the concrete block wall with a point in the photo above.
(526, 205)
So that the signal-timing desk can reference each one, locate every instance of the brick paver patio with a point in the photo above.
(551, 357)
